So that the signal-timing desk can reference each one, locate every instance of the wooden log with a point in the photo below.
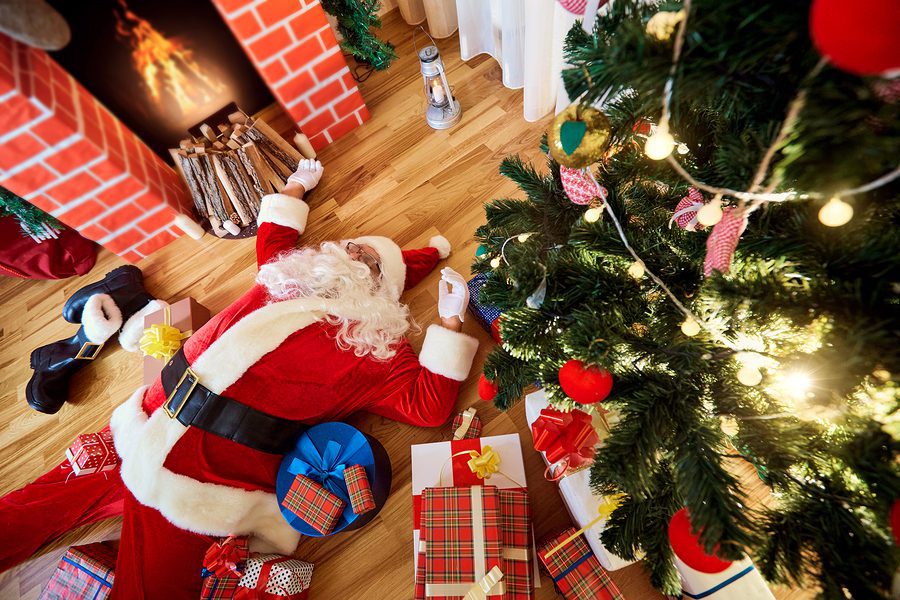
(210, 185)
(282, 144)
(253, 177)
(270, 181)
(237, 188)
(188, 173)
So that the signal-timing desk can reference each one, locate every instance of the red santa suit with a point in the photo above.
(186, 486)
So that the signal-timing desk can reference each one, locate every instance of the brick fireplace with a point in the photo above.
(64, 152)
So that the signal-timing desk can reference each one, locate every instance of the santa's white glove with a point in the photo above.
(308, 173)
(453, 295)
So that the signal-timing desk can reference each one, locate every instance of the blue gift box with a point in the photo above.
(322, 453)
(485, 314)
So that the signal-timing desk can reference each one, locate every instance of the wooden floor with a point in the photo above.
(394, 176)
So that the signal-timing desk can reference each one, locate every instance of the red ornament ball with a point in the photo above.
(487, 389)
(585, 384)
(860, 38)
(495, 331)
(895, 520)
(687, 546)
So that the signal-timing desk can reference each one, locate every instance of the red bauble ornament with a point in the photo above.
(495, 330)
(687, 546)
(895, 520)
(860, 38)
(487, 389)
(585, 384)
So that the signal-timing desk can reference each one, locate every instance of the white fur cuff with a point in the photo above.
(101, 318)
(130, 338)
(285, 210)
(448, 353)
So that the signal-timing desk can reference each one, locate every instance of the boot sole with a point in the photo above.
(72, 314)
(36, 405)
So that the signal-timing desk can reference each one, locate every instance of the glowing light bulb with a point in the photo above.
(636, 269)
(523, 237)
(660, 144)
(495, 262)
(749, 375)
(592, 215)
(682, 149)
(711, 213)
(835, 213)
(797, 383)
(690, 327)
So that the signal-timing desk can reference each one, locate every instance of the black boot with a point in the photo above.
(125, 285)
(54, 364)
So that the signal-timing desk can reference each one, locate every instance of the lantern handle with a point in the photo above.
(415, 46)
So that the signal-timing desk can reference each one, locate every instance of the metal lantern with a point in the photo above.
(442, 110)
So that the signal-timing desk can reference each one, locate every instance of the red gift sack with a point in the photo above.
(66, 256)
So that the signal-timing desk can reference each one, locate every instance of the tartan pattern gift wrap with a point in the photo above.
(314, 504)
(461, 530)
(85, 572)
(576, 571)
(466, 425)
(516, 556)
(223, 567)
(361, 497)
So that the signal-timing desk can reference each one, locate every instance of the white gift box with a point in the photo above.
(288, 578)
(575, 489)
(740, 581)
(434, 465)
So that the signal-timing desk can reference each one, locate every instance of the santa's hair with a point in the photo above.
(379, 321)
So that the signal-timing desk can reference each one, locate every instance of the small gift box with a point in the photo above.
(575, 570)
(487, 316)
(271, 577)
(740, 580)
(93, 453)
(515, 530)
(164, 332)
(466, 425)
(313, 504)
(84, 572)
(462, 542)
(361, 498)
(223, 567)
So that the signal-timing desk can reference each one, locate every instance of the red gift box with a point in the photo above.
(274, 577)
(361, 498)
(314, 504)
(92, 453)
(223, 567)
(466, 425)
(84, 572)
(461, 531)
(515, 530)
(576, 571)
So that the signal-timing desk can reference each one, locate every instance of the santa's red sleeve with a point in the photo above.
(281, 221)
(422, 390)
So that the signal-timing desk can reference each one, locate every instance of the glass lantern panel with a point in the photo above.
(435, 91)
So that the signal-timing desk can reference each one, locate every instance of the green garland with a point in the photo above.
(31, 218)
(355, 18)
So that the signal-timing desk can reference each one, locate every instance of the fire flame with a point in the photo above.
(166, 66)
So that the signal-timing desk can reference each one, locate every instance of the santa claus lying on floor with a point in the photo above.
(319, 337)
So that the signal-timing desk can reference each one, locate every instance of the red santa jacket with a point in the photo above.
(281, 359)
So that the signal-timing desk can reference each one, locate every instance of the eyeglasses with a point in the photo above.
(364, 257)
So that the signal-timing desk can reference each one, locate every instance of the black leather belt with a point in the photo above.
(195, 406)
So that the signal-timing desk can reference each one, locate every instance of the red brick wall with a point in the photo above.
(295, 51)
(64, 152)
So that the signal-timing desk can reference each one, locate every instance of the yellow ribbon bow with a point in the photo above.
(161, 341)
(484, 464)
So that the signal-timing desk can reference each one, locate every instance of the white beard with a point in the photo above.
(329, 273)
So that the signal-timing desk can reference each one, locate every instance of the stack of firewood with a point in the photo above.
(230, 167)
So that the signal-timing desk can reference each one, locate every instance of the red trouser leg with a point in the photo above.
(53, 504)
(157, 560)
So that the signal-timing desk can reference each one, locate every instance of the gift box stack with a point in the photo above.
(563, 442)
(164, 332)
(93, 453)
(487, 316)
(85, 572)
(231, 571)
(472, 520)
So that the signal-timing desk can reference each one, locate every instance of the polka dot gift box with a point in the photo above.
(274, 576)
(92, 453)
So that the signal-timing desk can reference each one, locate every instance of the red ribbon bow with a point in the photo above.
(226, 557)
(565, 435)
(259, 592)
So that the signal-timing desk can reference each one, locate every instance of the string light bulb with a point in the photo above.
(592, 215)
(495, 262)
(682, 149)
(660, 143)
(835, 213)
(690, 327)
(749, 375)
(710, 213)
(636, 269)
(523, 237)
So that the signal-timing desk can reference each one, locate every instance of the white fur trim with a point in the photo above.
(441, 244)
(101, 318)
(393, 269)
(285, 210)
(130, 337)
(206, 508)
(448, 353)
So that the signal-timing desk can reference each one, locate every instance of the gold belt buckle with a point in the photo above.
(89, 351)
(167, 407)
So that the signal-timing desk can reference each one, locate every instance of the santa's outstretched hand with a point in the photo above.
(453, 299)
(306, 177)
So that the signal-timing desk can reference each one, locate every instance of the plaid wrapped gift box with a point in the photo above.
(92, 453)
(486, 315)
(272, 576)
(85, 572)
(515, 531)
(361, 498)
(466, 425)
(314, 504)
(219, 588)
(576, 571)
(223, 567)
(461, 529)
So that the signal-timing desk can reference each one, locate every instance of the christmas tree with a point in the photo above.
(355, 18)
(783, 350)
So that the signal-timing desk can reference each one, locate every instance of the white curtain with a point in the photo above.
(525, 36)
